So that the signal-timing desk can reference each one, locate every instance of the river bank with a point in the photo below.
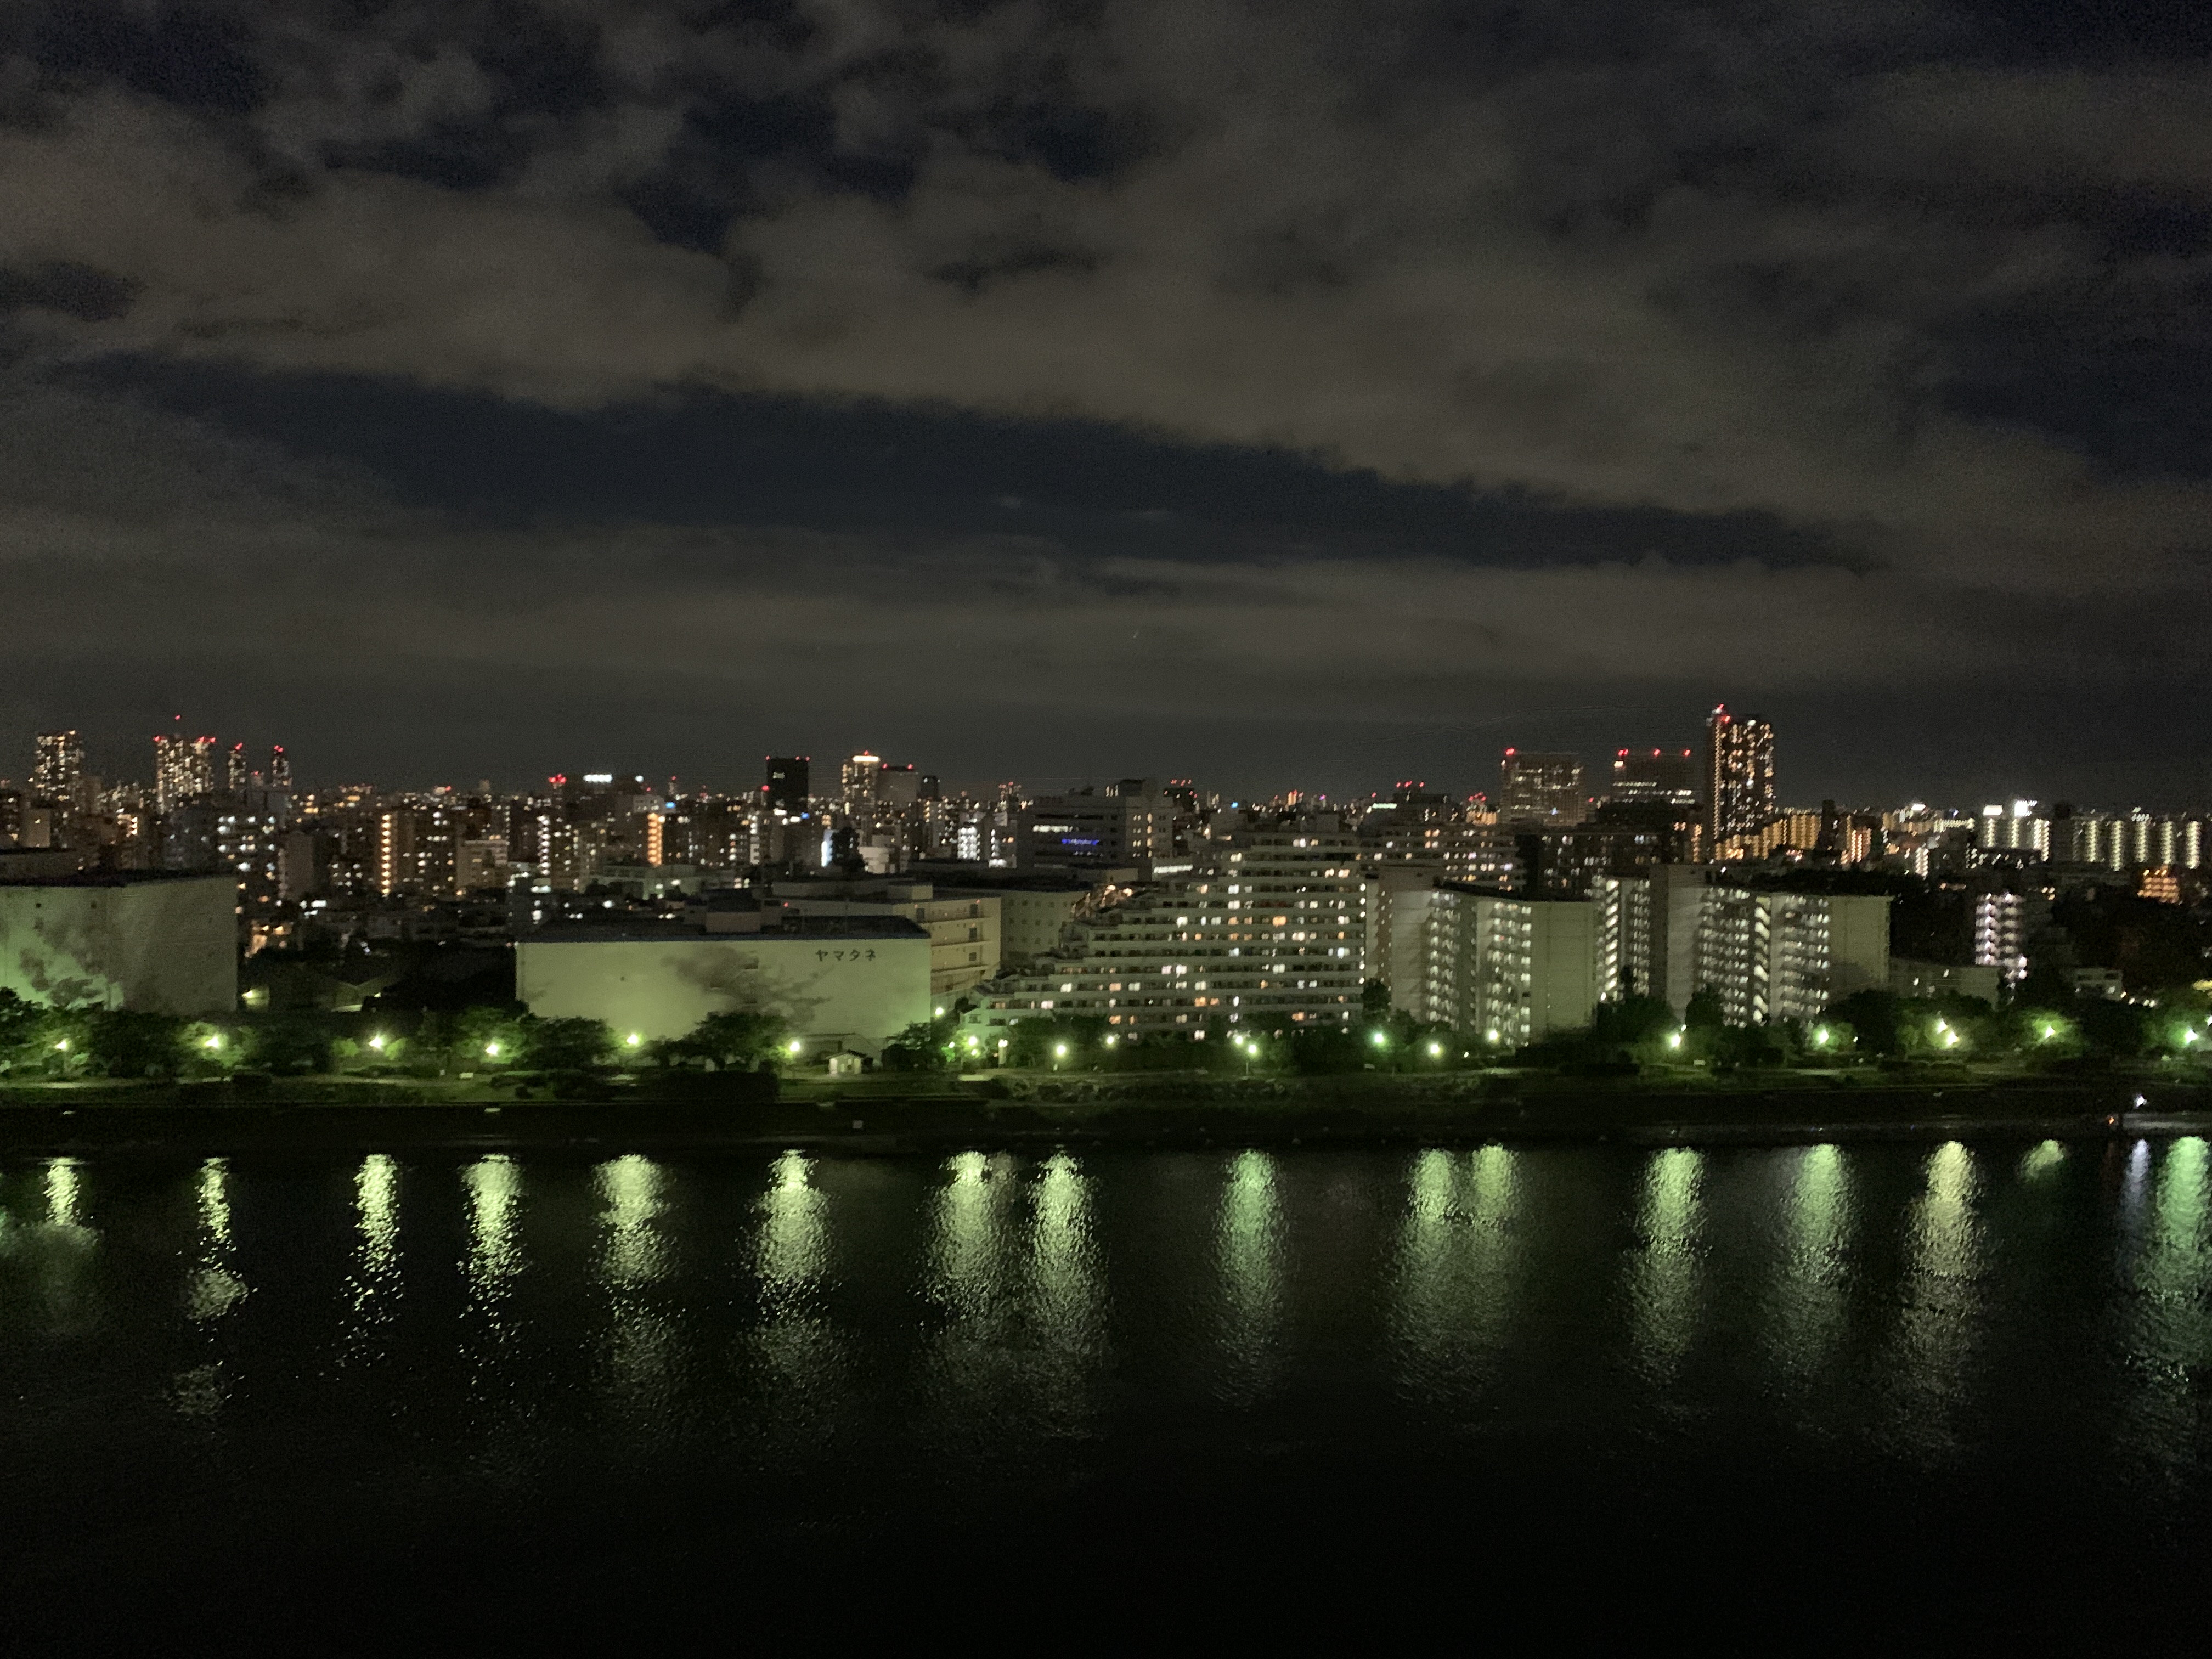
(889, 1115)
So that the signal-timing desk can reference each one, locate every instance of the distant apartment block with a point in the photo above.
(1268, 934)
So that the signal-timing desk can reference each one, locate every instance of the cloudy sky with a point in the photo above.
(1278, 392)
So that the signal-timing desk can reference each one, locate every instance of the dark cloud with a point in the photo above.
(1168, 357)
(83, 291)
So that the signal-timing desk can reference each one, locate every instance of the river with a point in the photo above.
(1775, 1396)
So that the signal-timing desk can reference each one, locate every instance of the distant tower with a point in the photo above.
(59, 766)
(785, 786)
(857, 780)
(280, 768)
(1533, 788)
(1665, 775)
(184, 767)
(234, 769)
(1739, 776)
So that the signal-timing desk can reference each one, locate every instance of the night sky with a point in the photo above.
(1282, 394)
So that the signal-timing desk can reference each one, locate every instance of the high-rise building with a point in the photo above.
(60, 765)
(787, 783)
(1739, 777)
(1539, 788)
(280, 769)
(897, 784)
(1129, 825)
(1664, 775)
(184, 767)
(856, 781)
(234, 771)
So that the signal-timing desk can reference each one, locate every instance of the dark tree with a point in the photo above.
(1876, 1018)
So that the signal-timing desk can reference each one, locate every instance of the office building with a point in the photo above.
(1125, 826)
(59, 766)
(856, 781)
(1664, 776)
(1566, 863)
(1739, 798)
(1535, 788)
(785, 786)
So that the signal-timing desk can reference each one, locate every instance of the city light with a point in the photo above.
(1059, 1051)
(1379, 1040)
(211, 1042)
(377, 1042)
(491, 1051)
(1674, 1039)
(633, 1040)
(1820, 1038)
(1436, 1051)
(792, 1047)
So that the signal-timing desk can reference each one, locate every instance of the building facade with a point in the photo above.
(1739, 798)
(1773, 956)
(851, 987)
(1269, 934)
(158, 943)
(1535, 788)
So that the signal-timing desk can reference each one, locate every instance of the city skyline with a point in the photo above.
(1601, 764)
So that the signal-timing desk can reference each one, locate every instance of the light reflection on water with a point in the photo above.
(1664, 1278)
(1939, 1301)
(1810, 1306)
(493, 1191)
(797, 1344)
(1014, 1269)
(2169, 1316)
(1250, 1237)
(374, 1285)
(1454, 1277)
(644, 1342)
(63, 1191)
(1924, 1301)
(213, 1289)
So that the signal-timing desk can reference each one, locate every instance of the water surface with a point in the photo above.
(1782, 1396)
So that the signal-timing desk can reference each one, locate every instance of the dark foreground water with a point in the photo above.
(1779, 1399)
